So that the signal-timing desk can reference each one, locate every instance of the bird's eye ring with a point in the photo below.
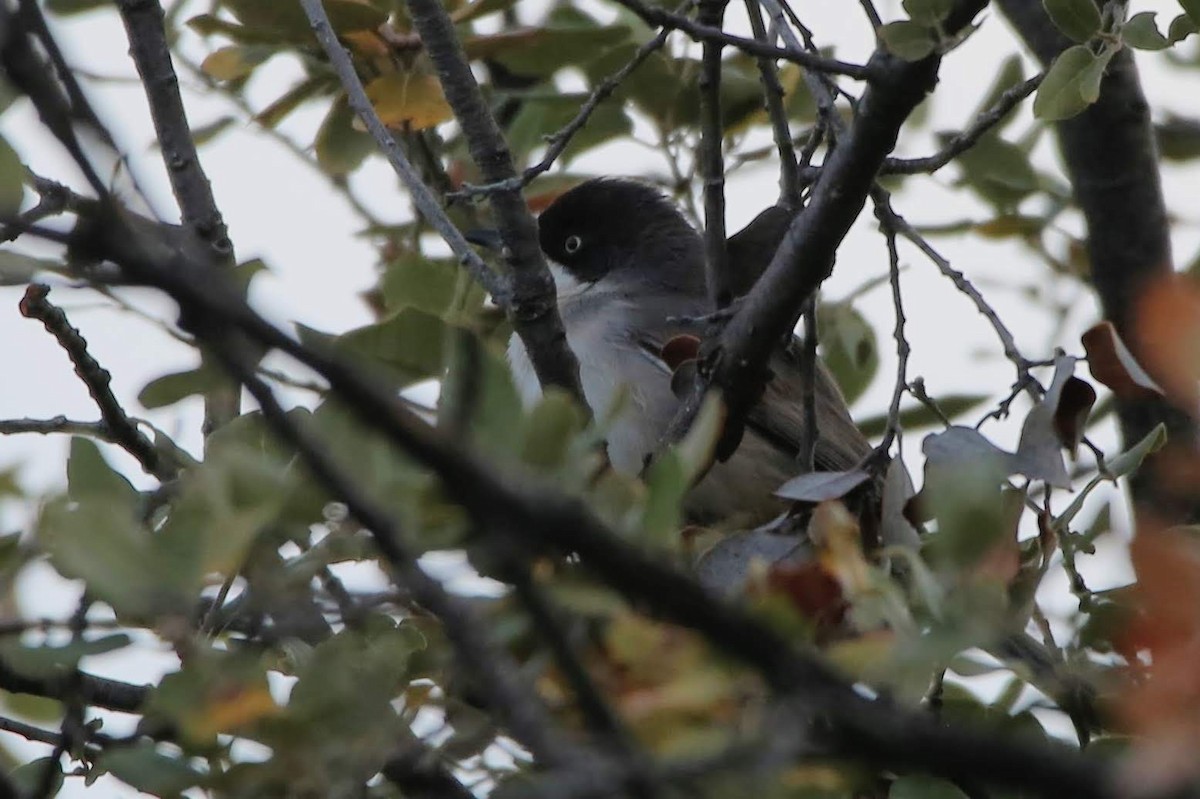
(573, 244)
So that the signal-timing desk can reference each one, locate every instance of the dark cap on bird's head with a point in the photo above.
(611, 225)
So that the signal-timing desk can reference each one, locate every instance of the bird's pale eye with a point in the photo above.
(573, 244)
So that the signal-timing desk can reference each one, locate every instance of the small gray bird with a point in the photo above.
(629, 270)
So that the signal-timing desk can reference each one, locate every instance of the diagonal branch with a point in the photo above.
(426, 204)
(968, 137)
(533, 307)
(561, 139)
(117, 424)
(658, 17)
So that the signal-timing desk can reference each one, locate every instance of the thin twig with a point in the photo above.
(1022, 364)
(968, 137)
(703, 33)
(97, 379)
(773, 95)
(58, 424)
(559, 140)
(903, 350)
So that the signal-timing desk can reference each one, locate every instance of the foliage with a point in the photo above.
(290, 682)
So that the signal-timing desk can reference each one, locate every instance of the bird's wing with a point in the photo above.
(840, 444)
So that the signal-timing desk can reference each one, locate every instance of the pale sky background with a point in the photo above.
(279, 210)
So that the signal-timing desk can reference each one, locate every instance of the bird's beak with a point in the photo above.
(486, 238)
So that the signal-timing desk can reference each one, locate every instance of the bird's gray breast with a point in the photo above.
(626, 387)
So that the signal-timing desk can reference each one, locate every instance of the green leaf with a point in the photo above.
(1078, 19)
(1132, 458)
(1010, 73)
(919, 416)
(103, 544)
(928, 12)
(12, 180)
(479, 401)
(999, 171)
(209, 25)
(849, 348)
(404, 348)
(1192, 9)
(1179, 140)
(540, 52)
(289, 20)
(144, 768)
(293, 98)
(479, 9)
(213, 692)
(552, 426)
(28, 777)
(38, 662)
(543, 115)
(919, 786)
(1142, 32)
(90, 477)
(340, 147)
(1061, 95)
(1182, 27)
(432, 285)
(409, 99)
(223, 505)
(908, 40)
(18, 269)
(235, 61)
(1089, 85)
(346, 686)
(169, 389)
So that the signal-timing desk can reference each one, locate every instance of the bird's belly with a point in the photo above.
(626, 392)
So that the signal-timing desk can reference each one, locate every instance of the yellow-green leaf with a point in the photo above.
(408, 99)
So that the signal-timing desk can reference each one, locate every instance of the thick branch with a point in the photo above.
(1112, 163)
(533, 307)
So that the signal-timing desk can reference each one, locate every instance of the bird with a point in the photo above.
(629, 271)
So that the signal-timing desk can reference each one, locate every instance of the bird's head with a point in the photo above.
(611, 226)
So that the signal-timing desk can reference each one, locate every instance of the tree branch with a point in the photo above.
(560, 139)
(533, 306)
(123, 430)
(711, 163)
(969, 136)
